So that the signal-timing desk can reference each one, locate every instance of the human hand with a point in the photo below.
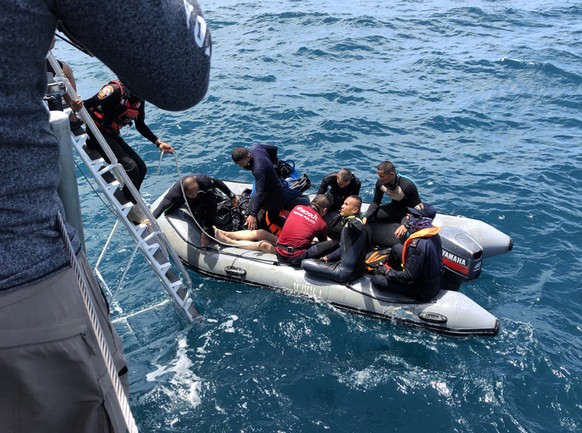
(235, 201)
(364, 220)
(76, 105)
(400, 231)
(165, 147)
(251, 222)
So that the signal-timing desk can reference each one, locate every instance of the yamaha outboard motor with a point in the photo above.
(462, 257)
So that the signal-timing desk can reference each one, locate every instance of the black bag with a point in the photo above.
(284, 169)
(229, 218)
(302, 183)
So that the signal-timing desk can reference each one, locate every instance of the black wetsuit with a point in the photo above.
(346, 263)
(203, 206)
(109, 105)
(421, 278)
(403, 193)
(335, 193)
(269, 192)
(336, 196)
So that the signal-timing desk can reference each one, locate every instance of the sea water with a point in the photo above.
(481, 104)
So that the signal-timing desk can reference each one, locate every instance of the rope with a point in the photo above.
(211, 236)
(96, 326)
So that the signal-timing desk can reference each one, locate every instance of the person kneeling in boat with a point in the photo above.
(415, 268)
(201, 200)
(303, 225)
(346, 263)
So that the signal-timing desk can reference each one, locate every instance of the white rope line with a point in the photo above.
(211, 236)
(96, 326)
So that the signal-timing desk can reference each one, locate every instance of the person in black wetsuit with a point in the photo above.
(269, 191)
(346, 263)
(415, 268)
(113, 108)
(337, 186)
(201, 200)
(403, 193)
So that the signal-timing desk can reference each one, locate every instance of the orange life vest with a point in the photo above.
(424, 233)
(123, 114)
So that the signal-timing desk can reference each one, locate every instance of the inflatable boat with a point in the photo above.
(450, 312)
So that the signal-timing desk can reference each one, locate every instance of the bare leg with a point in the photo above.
(258, 245)
(248, 235)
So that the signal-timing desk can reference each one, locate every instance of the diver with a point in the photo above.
(403, 193)
(346, 263)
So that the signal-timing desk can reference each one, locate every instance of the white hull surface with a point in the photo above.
(451, 312)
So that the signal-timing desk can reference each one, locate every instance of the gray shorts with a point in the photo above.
(52, 376)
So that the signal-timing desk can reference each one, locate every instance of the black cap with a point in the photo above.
(423, 210)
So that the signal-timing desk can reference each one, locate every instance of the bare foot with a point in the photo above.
(219, 234)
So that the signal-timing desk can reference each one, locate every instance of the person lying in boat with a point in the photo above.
(254, 240)
(269, 192)
(202, 200)
(415, 268)
(304, 224)
(403, 194)
(346, 263)
(337, 186)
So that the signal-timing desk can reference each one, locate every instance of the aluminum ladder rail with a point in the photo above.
(111, 177)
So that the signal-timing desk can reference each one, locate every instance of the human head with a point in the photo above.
(387, 173)
(344, 177)
(351, 206)
(321, 203)
(191, 187)
(421, 216)
(242, 157)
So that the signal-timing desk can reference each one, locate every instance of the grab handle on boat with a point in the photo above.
(235, 272)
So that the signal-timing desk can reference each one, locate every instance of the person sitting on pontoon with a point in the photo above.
(346, 263)
(403, 194)
(415, 268)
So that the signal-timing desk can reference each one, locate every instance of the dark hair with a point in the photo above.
(386, 167)
(320, 202)
(345, 174)
(239, 153)
(358, 200)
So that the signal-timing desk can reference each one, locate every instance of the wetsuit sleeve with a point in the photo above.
(141, 126)
(335, 255)
(217, 183)
(373, 208)
(325, 183)
(172, 199)
(160, 49)
(412, 268)
(259, 194)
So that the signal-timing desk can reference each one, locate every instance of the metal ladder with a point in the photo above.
(111, 177)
